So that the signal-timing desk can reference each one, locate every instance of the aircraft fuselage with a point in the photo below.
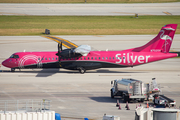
(94, 60)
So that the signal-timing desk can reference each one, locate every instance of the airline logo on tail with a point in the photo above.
(167, 36)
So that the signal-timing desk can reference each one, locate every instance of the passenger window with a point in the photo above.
(81, 58)
(38, 58)
(103, 58)
(52, 58)
(95, 57)
(113, 57)
(56, 58)
(42, 59)
(109, 57)
(99, 58)
(88, 58)
(106, 58)
(91, 58)
(45, 58)
(84, 58)
(49, 58)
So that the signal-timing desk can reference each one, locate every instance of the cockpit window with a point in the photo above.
(14, 56)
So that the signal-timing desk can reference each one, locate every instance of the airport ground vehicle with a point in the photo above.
(130, 89)
(163, 100)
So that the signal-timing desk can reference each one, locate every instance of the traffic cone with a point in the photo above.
(127, 106)
(147, 105)
(140, 105)
(117, 105)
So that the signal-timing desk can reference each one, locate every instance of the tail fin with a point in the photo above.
(162, 42)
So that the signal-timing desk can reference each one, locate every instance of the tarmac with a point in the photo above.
(90, 9)
(78, 96)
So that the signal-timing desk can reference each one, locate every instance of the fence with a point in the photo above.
(24, 105)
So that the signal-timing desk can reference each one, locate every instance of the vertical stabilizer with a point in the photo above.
(162, 42)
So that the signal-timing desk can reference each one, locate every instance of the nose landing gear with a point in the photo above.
(82, 70)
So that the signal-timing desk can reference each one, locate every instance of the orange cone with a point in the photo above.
(147, 105)
(127, 106)
(117, 105)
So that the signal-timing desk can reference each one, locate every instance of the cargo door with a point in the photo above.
(137, 88)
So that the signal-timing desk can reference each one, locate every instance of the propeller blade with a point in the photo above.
(59, 52)
(61, 46)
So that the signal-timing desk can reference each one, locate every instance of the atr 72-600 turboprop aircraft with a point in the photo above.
(82, 58)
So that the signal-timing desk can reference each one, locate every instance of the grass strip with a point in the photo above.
(87, 1)
(85, 25)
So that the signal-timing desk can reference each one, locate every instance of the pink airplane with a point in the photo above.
(82, 58)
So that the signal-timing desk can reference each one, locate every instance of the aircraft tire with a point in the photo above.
(12, 69)
(82, 70)
(112, 96)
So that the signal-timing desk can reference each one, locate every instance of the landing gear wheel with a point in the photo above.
(82, 70)
(12, 69)
(112, 96)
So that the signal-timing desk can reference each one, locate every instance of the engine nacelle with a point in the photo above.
(69, 53)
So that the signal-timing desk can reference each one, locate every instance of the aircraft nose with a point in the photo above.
(5, 63)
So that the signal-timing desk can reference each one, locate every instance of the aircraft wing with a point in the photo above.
(65, 43)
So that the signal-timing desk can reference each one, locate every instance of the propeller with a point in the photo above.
(59, 52)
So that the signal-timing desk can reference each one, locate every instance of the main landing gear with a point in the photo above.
(82, 70)
(12, 69)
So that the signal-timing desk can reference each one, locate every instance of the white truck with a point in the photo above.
(131, 89)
